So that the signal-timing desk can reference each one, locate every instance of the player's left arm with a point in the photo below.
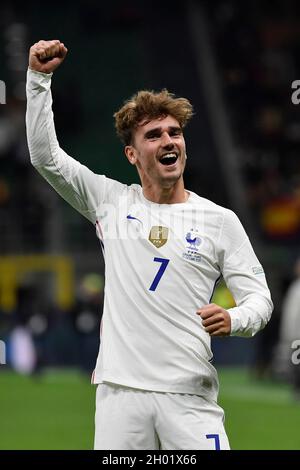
(245, 278)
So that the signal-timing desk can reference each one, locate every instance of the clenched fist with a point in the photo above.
(46, 56)
(215, 319)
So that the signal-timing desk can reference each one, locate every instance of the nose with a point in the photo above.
(167, 141)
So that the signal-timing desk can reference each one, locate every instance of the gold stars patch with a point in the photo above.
(158, 235)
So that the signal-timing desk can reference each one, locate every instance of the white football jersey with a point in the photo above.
(162, 262)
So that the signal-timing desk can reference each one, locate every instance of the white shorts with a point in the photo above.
(133, 419)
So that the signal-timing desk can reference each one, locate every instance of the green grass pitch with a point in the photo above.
(56, 411)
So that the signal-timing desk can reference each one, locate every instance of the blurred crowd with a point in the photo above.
(257, 47)
(38, 334)
(258, 50)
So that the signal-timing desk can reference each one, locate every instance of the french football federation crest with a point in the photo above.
(193, 240)
(158, 235)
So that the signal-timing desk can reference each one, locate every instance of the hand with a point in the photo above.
(46, 56)
(215, 319)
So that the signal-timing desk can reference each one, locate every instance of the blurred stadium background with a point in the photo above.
(236, 62)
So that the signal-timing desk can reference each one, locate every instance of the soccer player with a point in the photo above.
(165, 248)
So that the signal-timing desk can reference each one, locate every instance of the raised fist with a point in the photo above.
(46, 56)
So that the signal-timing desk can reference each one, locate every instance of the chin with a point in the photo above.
(171, 178)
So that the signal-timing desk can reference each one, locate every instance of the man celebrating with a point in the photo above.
(165, 248)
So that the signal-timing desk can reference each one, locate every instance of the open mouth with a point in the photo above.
(168, 159)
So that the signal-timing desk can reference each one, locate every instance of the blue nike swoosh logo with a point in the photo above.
(130, 217)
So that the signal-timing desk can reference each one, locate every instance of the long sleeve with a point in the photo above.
(79, 186)
(245, 279)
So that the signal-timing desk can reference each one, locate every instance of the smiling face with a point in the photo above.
(158, 151)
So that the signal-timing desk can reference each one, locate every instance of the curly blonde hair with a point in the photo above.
(150, 104)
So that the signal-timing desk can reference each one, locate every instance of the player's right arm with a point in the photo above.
(79, 186)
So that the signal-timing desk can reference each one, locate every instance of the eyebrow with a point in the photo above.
(159, 129)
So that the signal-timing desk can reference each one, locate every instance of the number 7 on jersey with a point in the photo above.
(164, 263)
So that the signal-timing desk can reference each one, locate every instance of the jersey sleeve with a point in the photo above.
(78, 185)
(245, 278)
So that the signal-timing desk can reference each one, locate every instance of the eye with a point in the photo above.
(153, 136)
(175, 132)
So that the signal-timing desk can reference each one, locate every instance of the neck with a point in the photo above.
(166, 195)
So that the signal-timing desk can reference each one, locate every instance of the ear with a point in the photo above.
(130, 154)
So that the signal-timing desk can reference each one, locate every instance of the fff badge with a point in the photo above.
(158, 235)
